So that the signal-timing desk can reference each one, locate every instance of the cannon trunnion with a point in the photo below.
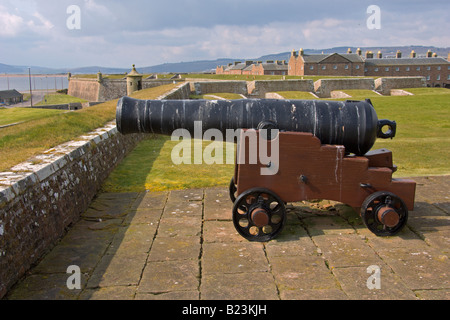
(324, 153)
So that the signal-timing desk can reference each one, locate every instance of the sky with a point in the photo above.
(113, 33)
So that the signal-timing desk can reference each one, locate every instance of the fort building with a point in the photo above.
(269, 67)
(335, 64)
(10, 97)
(435, 70)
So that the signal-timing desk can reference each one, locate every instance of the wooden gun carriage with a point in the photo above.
(324, 152)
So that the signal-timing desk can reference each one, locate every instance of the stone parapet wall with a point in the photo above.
(87, 89)
(385, 85)
(205, 87)
(108, 89)
(180, 92)
(259, 88)
(42, 197)
(324, 87)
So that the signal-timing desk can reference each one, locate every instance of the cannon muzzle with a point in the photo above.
(353, 124)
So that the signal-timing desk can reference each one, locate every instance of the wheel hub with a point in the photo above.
(260, 217)
(388, 216)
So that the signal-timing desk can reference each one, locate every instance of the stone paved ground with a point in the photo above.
(182, 245)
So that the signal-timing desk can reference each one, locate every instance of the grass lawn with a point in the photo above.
(422, 142)
(30, 138)
(58, 98)
(211, 96)
(14, 115)
(150, 167)
(421, 147)
(296, 95)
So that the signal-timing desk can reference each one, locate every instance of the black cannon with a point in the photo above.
(353, 124)
(324, 154)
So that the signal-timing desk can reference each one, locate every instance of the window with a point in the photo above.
(311, 67)
(418, 68)
(376, 69)
(428, 78)
(386, 69)
(438, 77)
(335, 67)
(346, 67)
(448, 77)
(407, 68)
(397, 69)
(439, 67)
(357, 67)
(428, 68)
(365, 69)
(324, 67)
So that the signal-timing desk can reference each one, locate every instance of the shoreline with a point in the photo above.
(33, 75)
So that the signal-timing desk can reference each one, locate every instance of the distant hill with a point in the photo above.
(208, 65)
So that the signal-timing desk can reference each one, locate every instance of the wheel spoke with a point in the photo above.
(371, 212)
(263, 206)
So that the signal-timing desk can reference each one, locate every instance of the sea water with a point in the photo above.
(38, 82)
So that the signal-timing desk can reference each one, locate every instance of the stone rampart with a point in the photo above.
(87, 89)
(107, 89)
(385, 85)
(259, 88)
(324, 87)
(42, 197)
(205, 87)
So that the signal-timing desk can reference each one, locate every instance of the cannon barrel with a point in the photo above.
(353, 124)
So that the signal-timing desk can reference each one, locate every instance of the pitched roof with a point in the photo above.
(317, 58)
(274, 66)
(405, 61)
(8, 94)
(237, 66)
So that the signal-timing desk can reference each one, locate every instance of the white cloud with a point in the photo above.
(43, 26)
(96, 8)
(10, 24)
(114, 33)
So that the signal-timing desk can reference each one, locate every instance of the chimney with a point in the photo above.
(369, 54)
(413, 54)
(293, 53)
(236, 63)
(434, 55)
(429, 53)
(247, 63)
(379, 55)
(300, 52)
(349, 50)
(398, 55)
(358, 51)
(269, 61)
